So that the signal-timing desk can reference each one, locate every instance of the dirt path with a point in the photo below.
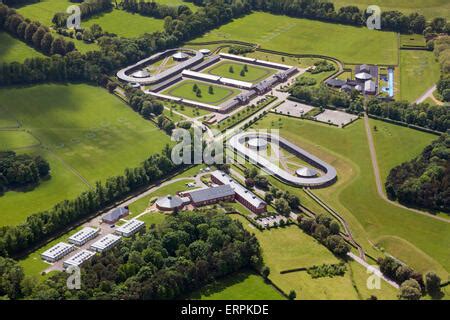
(429, 94)
(379, 184)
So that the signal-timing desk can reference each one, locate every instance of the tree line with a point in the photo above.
(442, 52)
(20, 171)
(88, 8)
(186, 252)
(424, 181)
(326, 11)
(323, 96)
(326, 231)
(116, 52)
(155, 9)
(33, 33)
(423, 115)
(412, 283)
(42, 225)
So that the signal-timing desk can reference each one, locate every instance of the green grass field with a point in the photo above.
(419, 71)
(429, 8)
(397, 144)
(254, 74)
(289, 248)
(184, 89)
(140, 205)
(86, 134)
(281, 33)
(240, 286)
(125, 24)
(15, 50)
(371, 219)
(44, 10)
(192, 6)
(12, 140)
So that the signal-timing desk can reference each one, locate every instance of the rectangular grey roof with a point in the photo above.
(243, 192)
(211, 193)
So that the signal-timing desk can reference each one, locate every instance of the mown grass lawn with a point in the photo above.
(243, 285)
(184, 89)
(302, 36)
(140, 205)
(12, 49)
(253, 75)
(290, 248)
(125, 24)
(397, 144)
(429, 8)
(87, 135)
(355, 196)
(44, 10)
(419, 71)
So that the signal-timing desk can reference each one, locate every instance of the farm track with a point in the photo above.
(341, 220)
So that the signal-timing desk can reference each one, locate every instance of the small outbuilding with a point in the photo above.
(170, 203)
(363, 76)
(141, 74)
(180, 56)
(257, 144)
(116, 214)
(306, 172)
(205, 52)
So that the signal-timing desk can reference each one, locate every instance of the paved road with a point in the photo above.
(429, 94)
(378, 181)
(373, 269)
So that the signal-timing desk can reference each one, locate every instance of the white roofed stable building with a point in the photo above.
(78, 258)
(57, 252)
(130, 228)
(105, 243)
(83, 236)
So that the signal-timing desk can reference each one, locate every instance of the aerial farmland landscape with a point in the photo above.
(187, 150)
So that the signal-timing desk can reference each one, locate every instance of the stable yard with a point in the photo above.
(354, 195)
(302, 36)
(419, 71)
(125, 24)
(254, 74)
(429, 8)
(184, 89)
(12, 49)
(85, 133)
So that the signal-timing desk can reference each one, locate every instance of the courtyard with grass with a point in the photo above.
(185, 90)
(236, 71)
(419, 71)
(354, 196)
(84, 132)
(302, 36)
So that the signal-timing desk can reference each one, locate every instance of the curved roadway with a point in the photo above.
(123, 74)
(237, 143)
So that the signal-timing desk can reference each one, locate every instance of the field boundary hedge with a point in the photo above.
(404, 124)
